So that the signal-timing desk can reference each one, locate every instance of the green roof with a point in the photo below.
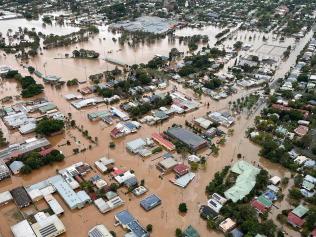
(308, 185)
(47, 107)
(300, 211)
(266, 202)
(244, 182)
(191, 232)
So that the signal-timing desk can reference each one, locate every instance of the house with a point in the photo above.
(301, 130)
(258, 206)
(99, 231)
(184, 180)
(166, 165)
(135, 145)
(216, 206)
(227, 225)
(150, 202)
(207, 213)
(190, 232)
(127, 221)
(295, 220)
(295, 217)
(181, 169)
(188, 138)
(236, 233)
(224, 118)
(16, 166)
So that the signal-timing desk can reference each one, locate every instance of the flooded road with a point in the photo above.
(165, 218)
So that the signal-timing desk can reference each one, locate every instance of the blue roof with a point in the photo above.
(124, 217)
(130, 125)
(150, 202)
(137, 229)
(237, 233)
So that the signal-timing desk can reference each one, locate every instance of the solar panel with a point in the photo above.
(96, 233)
(47, 230)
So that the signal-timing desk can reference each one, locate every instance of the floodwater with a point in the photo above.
(165, 218)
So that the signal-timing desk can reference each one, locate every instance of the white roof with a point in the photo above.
(22, 229)
(5, 197)
(123, 177)
(275, 180)
(99, 231)
(46, 224)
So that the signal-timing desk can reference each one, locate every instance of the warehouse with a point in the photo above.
(20, 197)
(22, 229)
(188, 138)
(4, 171)
(48, 226)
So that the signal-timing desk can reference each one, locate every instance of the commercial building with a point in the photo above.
(166, 165)
(48, 226)
(22, 229)
(188, 138)
(163, 142)
(5, 198)
(244, 182)
(4, 171)
(20, 197)
(68, 195)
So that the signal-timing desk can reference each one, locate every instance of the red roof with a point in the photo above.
(45, 152)
(313, 234)
(118, 172)
(181, 169)
(162, 141)
(259, 206)
(116, 132)
(295, 220)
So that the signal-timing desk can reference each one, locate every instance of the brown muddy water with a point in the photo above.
(165, 218)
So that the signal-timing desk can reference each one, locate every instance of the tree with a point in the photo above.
(149, 228)
(183, 207)
(179, 233)
(49, 126)
(26, 169)
(31, 69)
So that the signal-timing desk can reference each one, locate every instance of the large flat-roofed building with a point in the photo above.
(4, 171)
(190, 139)
(48, 226)
(20, 197)
(22, 229)
(68, 195)
(19, 149)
